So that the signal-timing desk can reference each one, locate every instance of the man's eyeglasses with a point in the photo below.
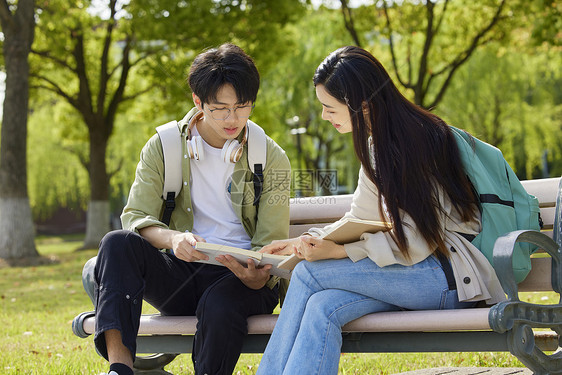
(242, 112)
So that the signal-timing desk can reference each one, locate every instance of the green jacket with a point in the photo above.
(270, 221)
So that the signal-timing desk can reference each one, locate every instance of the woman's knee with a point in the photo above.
(339, 307)
(320, 305)
(305, 269)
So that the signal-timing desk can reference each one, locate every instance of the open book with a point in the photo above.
(347, 230)
(281, 266)
(350, 229)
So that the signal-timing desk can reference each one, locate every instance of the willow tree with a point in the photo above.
(90, 59)
(428, 41)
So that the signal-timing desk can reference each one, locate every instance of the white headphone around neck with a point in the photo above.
(231, 150)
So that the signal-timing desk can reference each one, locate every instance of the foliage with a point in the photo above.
(545, 16)
(516, 70)
(288, 91)
(428, 41)
(185, 28)
(513, 101)
(56, 177)
(83, 57)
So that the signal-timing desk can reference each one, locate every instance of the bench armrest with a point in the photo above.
(503, 259)
(506, 315)
(519, 318)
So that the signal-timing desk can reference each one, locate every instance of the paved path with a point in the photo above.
(471, 371)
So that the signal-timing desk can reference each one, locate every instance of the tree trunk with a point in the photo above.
(16, 224)
(16, 229)
(97, 223)
(98, 218)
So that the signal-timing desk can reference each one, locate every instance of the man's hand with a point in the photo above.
(281, 247)
(183, 245)
(252, 276)
(312, 249)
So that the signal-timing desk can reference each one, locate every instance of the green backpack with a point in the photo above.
(505, 205)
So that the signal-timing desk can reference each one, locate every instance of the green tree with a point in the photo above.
(16, 226)
(508, 98)
(89, 60)
(428, 41)
(289, 102)
(56, 176)
(95, 56)
(546, 19)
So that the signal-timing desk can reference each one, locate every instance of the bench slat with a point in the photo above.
(422, 321)
(395, 321)
(323, 209)
(327, 209)
(539, 279)
(544, 189)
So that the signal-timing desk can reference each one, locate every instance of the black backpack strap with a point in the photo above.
(447, 269)
(170, 205)
(258, 183)
(257, 156)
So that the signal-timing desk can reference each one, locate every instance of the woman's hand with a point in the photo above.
(312, 249)
(281, 247)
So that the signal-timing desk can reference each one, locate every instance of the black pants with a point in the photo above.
(129, 269)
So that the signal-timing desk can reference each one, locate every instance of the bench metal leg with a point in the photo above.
(522, 344)
(152, 372)
(153, 364)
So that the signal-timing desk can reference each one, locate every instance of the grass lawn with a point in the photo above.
(38, 303)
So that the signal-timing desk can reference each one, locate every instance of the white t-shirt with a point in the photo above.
(214, 218)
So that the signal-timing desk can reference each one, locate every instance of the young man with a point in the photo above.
(215, 205)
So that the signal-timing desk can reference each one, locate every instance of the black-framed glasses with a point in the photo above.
(243, 112)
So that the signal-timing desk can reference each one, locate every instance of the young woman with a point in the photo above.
(411, 176)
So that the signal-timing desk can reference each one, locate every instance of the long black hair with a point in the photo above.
(409, 153)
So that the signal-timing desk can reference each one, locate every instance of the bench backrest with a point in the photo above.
(310, 212)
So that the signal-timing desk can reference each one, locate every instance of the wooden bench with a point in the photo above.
(507, 326)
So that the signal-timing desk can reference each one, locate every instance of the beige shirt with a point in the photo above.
(476, 279)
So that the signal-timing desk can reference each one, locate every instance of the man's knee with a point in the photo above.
(117, 239)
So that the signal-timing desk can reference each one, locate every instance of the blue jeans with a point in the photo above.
(325, 295)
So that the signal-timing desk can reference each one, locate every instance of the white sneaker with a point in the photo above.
(110, 373)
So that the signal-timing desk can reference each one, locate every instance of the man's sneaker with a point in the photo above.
(110, 373)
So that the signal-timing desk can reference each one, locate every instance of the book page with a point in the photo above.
(350, 230)
(242, 256)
